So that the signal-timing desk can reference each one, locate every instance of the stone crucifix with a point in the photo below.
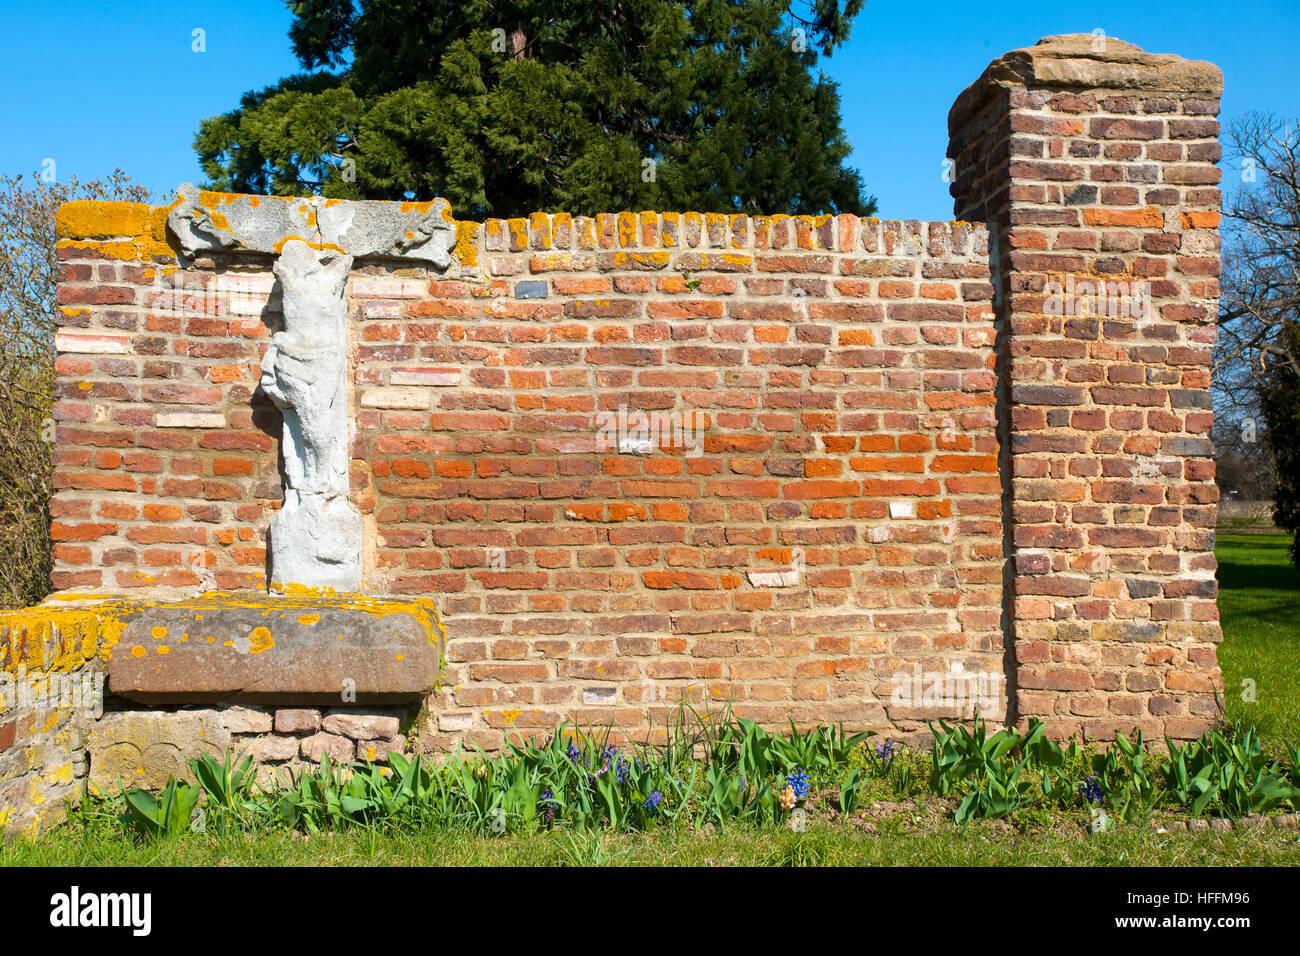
(316, 537)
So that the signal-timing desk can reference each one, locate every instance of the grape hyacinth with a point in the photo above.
(798, 782)
(1091, 789)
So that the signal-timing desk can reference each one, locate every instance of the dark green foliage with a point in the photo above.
(720, 772)
(169, 813)
(1229, 775)
(544, 106)
(725, 772)
(1224, 772)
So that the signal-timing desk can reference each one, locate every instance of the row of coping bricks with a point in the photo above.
(650, 230)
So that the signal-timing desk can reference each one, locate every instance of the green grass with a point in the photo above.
(1259, 606)
(976, 844)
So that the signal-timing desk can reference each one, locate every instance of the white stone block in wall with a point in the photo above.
(408, 398)
(425, 376)
(92, 343)
(388, 287)
(178, 419)
(902, 509)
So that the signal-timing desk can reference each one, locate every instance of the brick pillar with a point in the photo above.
(1093, 164)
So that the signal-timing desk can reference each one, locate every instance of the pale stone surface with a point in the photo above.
(143, 748)
(296, 720)
(1083, 61)
(260, 224)
(274, 775)
(360, 726)
(338, 748)
(407, 398)
(773, 579)
(256, 649)
(453, 723)
(425, 376)
(189, 419)
(377, 751)
(315, 537)
(265, 749)
(902, 509)
(246, 720)
(91, 344)
(389, 287)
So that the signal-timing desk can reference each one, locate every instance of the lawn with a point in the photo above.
(983, 843)
(1259, 605)
(1260, 609)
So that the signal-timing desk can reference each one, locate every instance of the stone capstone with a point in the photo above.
(1085, 61)
(226, 222)
(253, 648)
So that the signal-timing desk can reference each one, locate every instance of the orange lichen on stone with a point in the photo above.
(260, 640)
(466, 250)
(332, 247)
(100, 219)
(57, 638)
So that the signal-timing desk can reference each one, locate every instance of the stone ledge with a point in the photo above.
(252, 647)
(1069, 62)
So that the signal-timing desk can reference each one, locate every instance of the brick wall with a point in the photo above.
(1093, 162)
(832, 520)
(893, 476)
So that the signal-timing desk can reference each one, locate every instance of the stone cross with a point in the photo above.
(316, 537)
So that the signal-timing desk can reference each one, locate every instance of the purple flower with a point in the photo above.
(652, 802)
(798, 782)
(1092, 790)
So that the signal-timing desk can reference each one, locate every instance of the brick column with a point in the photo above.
(1093, 164)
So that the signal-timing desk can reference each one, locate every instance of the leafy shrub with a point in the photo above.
(29, 271)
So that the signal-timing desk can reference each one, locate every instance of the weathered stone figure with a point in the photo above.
(316, 537)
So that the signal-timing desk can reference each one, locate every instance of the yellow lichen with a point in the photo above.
(327, 246)
(260, 640)
(101, 219)
(466, 243)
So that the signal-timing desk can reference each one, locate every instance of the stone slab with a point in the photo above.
(205, 221)
(1084, 61)
(271, 649)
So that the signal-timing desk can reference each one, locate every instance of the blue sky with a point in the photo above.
(96, 86)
